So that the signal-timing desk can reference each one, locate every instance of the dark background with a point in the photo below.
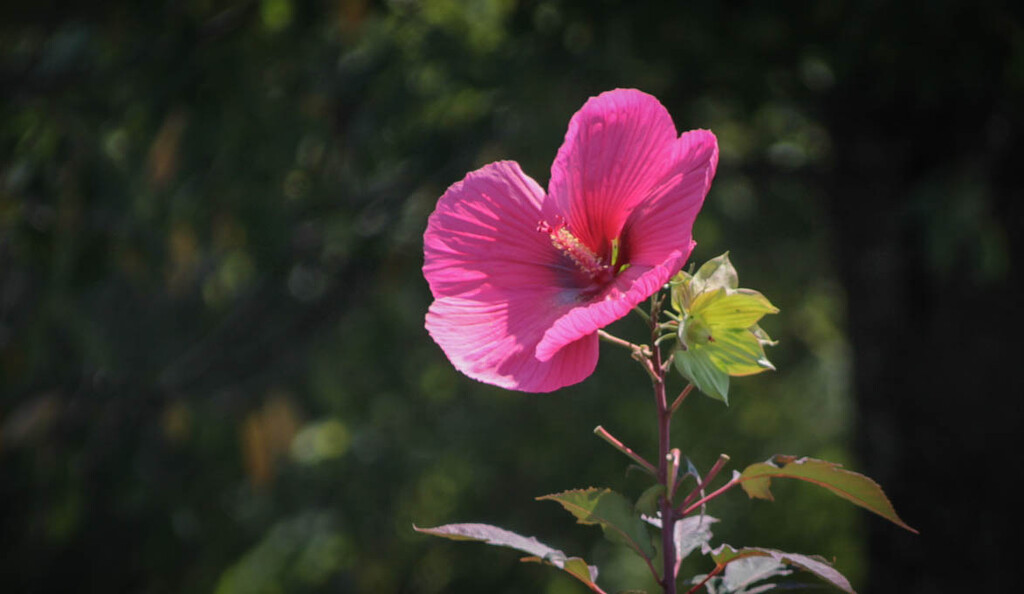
(213, 370)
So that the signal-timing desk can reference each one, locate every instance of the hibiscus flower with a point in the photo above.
(523, 280)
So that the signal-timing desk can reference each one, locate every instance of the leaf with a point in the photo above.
(697, 367)
(857, 488)
(716, 273)
(747, 571)
(574, 566)
(725, 554)
(738, 352)
(647, 504)
(613, 512)
(538, 551)
(690, 534)
(680, 292)
(763, 336)
(739, 308)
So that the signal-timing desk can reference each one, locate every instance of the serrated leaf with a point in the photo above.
(725, 554)
(852, 486)
(538, 551)
(738, 352)
(740, 308)
(697, 367)
(716, 273)
(610, 510)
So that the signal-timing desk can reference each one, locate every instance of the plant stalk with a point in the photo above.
(668, 513)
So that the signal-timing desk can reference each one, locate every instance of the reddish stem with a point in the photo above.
(722, 459)
(603, 434)
(717, 570)
(711, 496)
(682, 396)
(668, 513)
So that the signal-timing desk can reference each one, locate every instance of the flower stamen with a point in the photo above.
(585, 259)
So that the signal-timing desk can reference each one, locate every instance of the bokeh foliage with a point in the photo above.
(213, 370)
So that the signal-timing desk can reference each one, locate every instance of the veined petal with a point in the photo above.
(663, 222)
(494, 342)
(629, 288)
(499, 284)
(613, 155)
(483, 233)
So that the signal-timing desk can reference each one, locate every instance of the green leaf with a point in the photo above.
(725, 554)
(697, 367)
(854, 487)
(740, 308)
(738, 352)
(716, 273)
(613, 512)
(538, 551)
(680, 291)
(647, 504)
(762, 336)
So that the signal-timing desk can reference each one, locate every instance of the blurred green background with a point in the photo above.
(213, 370)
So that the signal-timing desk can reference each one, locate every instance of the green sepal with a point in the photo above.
(716, 273)
(696, 366)
(619, 520)
(738, 352)
(679, 291)
(737, 308)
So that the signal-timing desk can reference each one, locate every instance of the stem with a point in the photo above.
(708, 498)
(668, 512)
(722, 459)
(682, 396)
(603, 434)
(673, 472)
(617, 341)
(717, 570)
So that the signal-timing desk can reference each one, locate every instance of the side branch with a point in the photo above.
(615, 443)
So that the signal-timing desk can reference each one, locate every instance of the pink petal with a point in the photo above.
(483, 233)
(629, 289)
(498, 285)
(494, 342)
(663, 223)
(613, 154)
(656, 236)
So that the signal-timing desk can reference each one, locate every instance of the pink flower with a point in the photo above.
(522, 280)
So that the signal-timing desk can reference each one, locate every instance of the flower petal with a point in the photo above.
(483, 233)
(494, 342)
(499, 284)
(663, 222)
(613, 154)
(630, 288)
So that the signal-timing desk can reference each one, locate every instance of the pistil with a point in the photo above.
(582, 256)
